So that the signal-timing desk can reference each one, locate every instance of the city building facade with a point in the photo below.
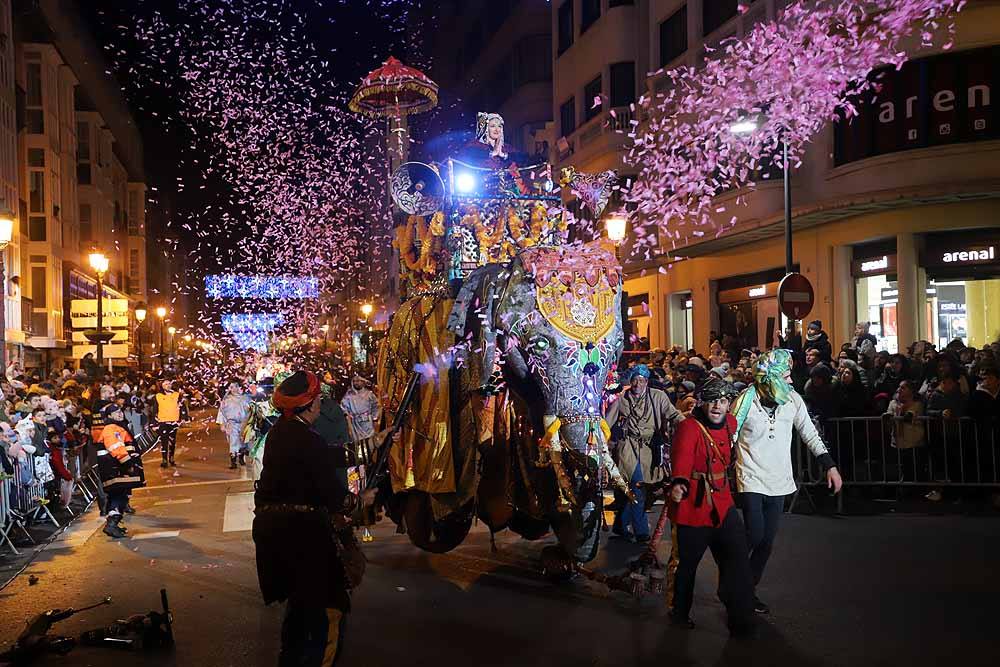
(896, 214)
(82, 182)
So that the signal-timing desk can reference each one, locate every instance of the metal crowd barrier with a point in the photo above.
(899, 452)
(23, 498)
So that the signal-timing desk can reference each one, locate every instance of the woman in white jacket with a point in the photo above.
(766, 413)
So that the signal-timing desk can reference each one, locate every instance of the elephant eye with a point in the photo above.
(539, 343)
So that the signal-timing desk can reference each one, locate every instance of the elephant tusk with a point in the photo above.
(613, 472)
(550, 453)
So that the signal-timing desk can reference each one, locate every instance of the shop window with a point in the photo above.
(593, 102)
(673, 36)
(876, 298)
(622, 84)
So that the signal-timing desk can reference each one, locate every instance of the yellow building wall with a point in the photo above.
(821, 253)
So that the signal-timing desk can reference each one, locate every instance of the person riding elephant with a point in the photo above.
(642, 414)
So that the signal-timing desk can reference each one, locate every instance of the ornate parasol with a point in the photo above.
(394, 90)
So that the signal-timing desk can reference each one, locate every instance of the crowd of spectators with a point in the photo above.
(52, 421)
(858, 380)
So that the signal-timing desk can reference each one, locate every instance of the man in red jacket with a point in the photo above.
(702, 512)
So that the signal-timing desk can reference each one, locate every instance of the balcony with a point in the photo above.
(602, 137)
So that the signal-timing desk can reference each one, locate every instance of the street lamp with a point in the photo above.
(366, 310)
(99, 263)
(161, 313)
(140, 317)
(615, 226)
(749, 125)
(6, 234)
(171, 331)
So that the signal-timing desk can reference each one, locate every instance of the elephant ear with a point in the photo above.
(471, 318)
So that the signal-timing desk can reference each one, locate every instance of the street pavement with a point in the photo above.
(883, 590)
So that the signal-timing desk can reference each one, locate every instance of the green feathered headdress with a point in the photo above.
(768, 382)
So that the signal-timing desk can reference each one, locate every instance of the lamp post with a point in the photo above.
(140, 317)
(161, 313)
(171, 331)
(366, 310)
(6, 234)
(749, 126)
(99, 263)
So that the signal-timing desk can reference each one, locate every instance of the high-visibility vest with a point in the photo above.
(168, 407)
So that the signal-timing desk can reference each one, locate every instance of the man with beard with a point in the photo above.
(641, 415)
(702, 512)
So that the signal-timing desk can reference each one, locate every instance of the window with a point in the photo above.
(133, 263)
(83, 142)
(674, 36)
(593, 103)
(622, 84)
(565, 26)
(716, 12)
(34, 114)
(567, 117)
(36, 199)
(83, 173)
(36, 228)
(36, 157)
(86, 235)
(38, 295)
(532, 60)
(590, 11)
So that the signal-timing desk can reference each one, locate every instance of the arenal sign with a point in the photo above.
(970, 254)
(943, 99)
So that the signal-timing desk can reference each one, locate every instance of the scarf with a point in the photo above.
(769, 384)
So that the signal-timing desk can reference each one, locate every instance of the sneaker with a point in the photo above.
(934, 496)
(681, 622)
(760, 607)
(113, 530)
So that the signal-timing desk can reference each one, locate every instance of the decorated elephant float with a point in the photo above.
(512, 333)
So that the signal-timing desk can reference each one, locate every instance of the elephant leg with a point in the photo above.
(435, 536)
(579, 531)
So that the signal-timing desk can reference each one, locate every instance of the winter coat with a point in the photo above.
(984, 405)
(820, 342)
(909, 432)
(640, 419)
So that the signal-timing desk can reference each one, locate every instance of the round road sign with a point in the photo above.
(795, 296)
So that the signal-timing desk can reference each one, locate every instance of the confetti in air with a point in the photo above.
(719, 126)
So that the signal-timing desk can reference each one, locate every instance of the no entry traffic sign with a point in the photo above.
(795, 296)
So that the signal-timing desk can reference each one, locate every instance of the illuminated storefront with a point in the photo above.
(963, 290)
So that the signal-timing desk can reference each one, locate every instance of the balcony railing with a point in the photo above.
(620, 122)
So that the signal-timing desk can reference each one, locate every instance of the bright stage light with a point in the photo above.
(465, 182)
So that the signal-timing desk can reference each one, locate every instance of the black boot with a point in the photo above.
(243, 458)
(164, 464)
(112, 529)
(232, 462)
(172, 464)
